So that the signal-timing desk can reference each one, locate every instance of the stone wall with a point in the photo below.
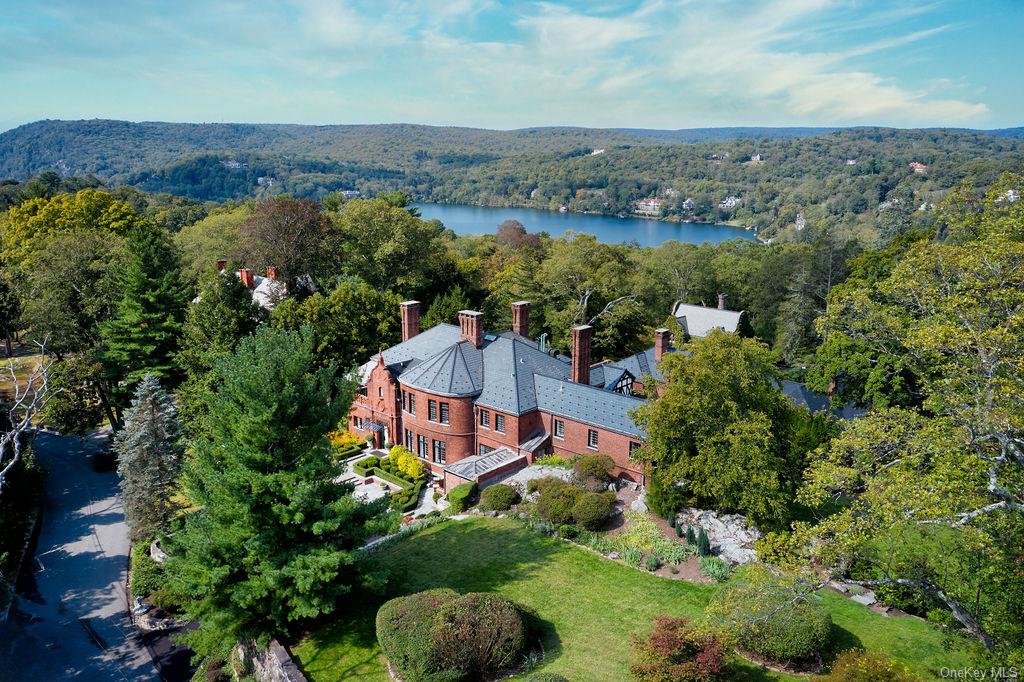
(273, 664)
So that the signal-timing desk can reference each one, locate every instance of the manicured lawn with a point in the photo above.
(591, 605)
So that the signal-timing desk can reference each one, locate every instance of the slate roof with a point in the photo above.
(420, 347)
(698, 320)
(588, 404)
(472, 468)
(456, 371)
(801, 396)
(510, 368)
(641, 364)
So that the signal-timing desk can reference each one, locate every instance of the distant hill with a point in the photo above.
(692, 135)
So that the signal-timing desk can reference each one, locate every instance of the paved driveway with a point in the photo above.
(76, 626)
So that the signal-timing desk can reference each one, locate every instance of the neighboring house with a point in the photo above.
(597, 152)
(729, 202)
(851, 162)
(649, 206)
(266, 291)
(918, 167)
(474, 404)
(1010, 196)
(757, 158)
(698, 321)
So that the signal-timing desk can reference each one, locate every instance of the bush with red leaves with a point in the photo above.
(676, 652)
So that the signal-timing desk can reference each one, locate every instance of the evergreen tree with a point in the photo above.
(274, 536)
(703, 543)
(691, 539)
(143, 336)
(446, 307)
(223, 314)
(149, 459)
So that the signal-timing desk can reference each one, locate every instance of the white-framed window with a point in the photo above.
(380, 391)
(439, 451)
(499, 423)
(559, 429)
(485, 419)
(432, 410)
(592, 439)
(412, 404)
(444, 413)
(408, 440)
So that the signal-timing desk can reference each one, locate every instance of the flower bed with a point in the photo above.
(408, 495)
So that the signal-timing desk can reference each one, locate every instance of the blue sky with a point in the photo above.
(650, 63)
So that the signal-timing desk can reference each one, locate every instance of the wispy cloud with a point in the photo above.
(668, 63)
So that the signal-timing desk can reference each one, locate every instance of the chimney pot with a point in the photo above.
(662, 342)
(521, 318)
(245, 274)
(721, 301)
(221, 264)
(410, 319)
(471, 325)
(581, 336)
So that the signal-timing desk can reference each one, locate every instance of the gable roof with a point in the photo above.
(698, 320)
(641, 364)
(801, 396)
(588, 404)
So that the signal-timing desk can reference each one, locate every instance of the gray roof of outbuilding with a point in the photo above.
(698, 320)
(641, 364)
(510, 368)
(588, 404)
(455, 371)
(801, 396)
(420, 347)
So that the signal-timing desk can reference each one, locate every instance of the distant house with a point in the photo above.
(801, 222)
(649, 206)
(265, 181)
(851, 162)
(757, 158)
(687, 204)
(597, 152)
(266, 291)
(918, 167)
(698, 321)
(1010, 196)
(347, 194)
(729, 202)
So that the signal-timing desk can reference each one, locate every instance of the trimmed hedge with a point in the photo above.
(407, 498)
(591, 510)
(365, 466)
(437, 635)
(498, 497)
(461, 496)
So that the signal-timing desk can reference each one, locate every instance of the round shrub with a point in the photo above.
(593, 472)
(775, 616)
(860, 666)
(651, 563)
(556, 501)
(404, 631)
(461, 497)
(538, 484)
(478, 634)
(676, 651)
(591, 510)
(499, 497)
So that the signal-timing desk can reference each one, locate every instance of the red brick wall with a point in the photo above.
(615, 445)
(379, 404)
(493, 438)
(458, 434)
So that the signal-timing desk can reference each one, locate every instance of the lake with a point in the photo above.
(485, 220)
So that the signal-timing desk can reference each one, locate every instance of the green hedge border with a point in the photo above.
(365, 467)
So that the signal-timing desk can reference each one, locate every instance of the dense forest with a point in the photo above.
(776, 180)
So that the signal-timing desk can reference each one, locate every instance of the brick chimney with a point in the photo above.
(245, 274)
(521, 318)
(721, 301)
(271, 273)
(662, 341)
(410, 319)
(471, 324)
(221, 264)
(581, 336)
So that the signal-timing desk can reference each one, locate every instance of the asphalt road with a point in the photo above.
(75, 625)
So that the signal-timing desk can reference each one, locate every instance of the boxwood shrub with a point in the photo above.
(556, 500)
(461, 496)
(498, 497)
(772, 615)
(438, 635)
(591, 510)
(365, 466)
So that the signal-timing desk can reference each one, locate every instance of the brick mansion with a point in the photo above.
(474, 404)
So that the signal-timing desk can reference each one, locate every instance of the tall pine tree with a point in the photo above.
(223, 314)
(149, 459)
(143, 335)
(274, 535)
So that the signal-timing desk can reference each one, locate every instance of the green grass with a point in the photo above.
(591, 605)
